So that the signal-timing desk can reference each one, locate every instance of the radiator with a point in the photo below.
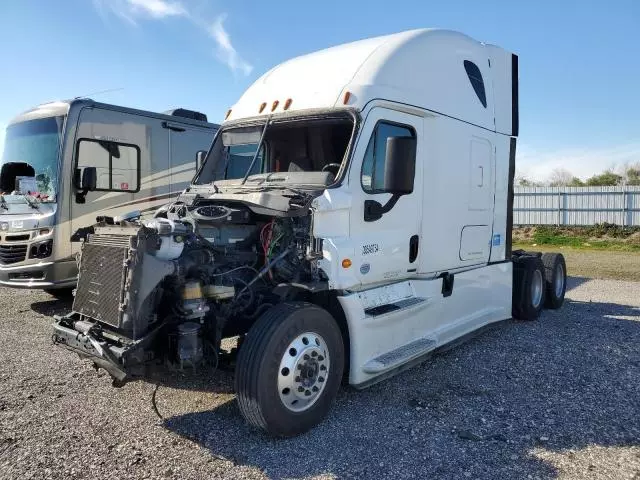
(103, 270)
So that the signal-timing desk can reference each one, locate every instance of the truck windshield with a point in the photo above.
(36, 143)
(302, 146)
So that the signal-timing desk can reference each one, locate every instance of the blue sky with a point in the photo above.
(579, 60)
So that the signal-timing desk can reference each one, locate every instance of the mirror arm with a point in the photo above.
(373, 210)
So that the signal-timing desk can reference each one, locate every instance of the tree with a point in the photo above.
(632, 175)
(562, 178)
(523, 181)
(576, 182)
(605, 179)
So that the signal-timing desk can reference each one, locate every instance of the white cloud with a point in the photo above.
(157, 8)
(581, 162)
(226, 52)
(133, 10)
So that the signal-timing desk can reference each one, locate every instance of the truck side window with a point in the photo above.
(117, 165)
(374, 159)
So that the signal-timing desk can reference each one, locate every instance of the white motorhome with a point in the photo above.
(140, 158)
(353, 215)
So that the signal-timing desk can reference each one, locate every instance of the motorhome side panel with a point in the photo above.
(184, 142)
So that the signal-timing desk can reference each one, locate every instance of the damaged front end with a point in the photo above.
(114, 319)
(165, 292)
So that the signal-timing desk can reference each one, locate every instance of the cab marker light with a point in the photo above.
(346, 263)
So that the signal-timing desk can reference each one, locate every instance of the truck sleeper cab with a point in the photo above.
(353, 215)
(140, 158)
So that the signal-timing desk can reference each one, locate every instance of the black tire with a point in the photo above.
(528, 275)
(555, 275)
(259, 361)
(60, 293)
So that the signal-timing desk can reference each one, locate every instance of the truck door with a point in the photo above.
(185, 141)
(388, 248)
(475, 238)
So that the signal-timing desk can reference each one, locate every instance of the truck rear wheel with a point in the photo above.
(555, 275)
(289, 368)
(528, 287)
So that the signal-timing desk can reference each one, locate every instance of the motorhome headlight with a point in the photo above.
(41, 249)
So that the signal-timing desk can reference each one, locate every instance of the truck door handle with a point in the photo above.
(481, 175)
(413, 248)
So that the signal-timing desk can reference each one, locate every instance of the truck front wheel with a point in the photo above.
(289, 368)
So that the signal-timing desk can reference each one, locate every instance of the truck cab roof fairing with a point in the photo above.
(374, 69)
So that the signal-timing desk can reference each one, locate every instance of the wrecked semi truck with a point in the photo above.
(352, 216)
(140, 160)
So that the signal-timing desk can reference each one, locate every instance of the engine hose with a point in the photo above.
(265, 269)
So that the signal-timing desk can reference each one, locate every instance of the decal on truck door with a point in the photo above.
(370, 249)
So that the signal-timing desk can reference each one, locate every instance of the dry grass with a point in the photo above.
(619, 265)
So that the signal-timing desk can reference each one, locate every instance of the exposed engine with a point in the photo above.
(169, 289)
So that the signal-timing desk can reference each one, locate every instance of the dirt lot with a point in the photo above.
(556, 398)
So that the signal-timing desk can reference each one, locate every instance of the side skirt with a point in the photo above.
(439, 350)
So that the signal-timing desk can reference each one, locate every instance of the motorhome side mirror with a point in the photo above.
(200, 158)
(400, 165)
(89, 179)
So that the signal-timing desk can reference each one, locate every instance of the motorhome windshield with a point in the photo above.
(37, 144)
(301, 146)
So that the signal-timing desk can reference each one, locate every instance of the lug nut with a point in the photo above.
(307, 393)
(301, 389)
(314, 353)
(320, 358)
(297, 379)
(315, 389)
(306, 357)
(322, 367)
(321, 379)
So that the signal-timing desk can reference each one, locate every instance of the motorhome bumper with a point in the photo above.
(88, 347)
(60, 274)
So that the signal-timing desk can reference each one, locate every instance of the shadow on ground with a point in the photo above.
(52, 306)
(564, 382)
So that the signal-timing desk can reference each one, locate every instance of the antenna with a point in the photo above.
(100, 92)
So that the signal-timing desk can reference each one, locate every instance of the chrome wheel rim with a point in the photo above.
(536, 288)
(303, 373)
(559, 283)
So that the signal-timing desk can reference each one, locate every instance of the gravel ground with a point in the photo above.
(557, 398)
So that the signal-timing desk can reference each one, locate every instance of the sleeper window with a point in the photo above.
(374, 158)
(475, 77)
(117, 165)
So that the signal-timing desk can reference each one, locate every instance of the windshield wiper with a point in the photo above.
(255, 155)
(32, 203)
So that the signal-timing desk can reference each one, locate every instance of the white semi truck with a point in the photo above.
(141, 160)
(353, 216)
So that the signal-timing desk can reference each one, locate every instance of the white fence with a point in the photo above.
(576, 205)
